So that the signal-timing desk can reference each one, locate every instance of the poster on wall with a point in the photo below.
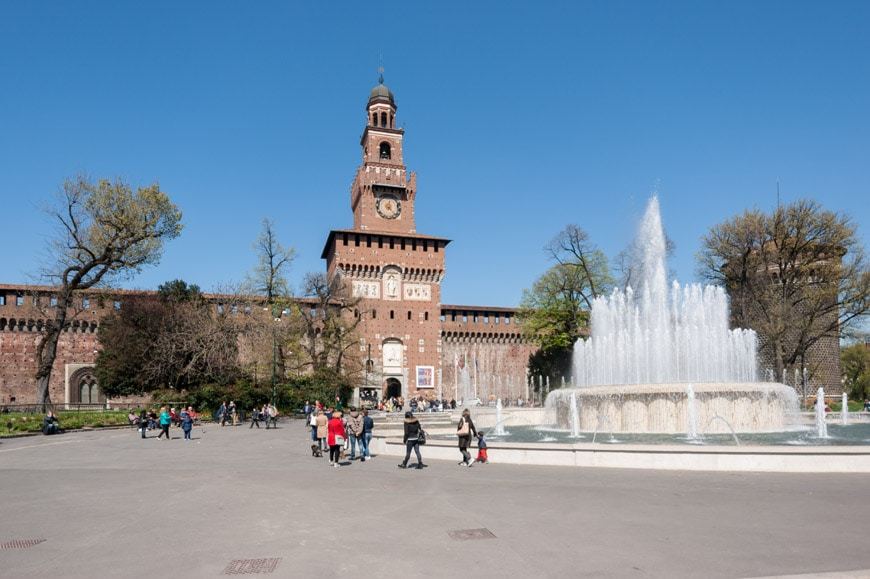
(425, 376)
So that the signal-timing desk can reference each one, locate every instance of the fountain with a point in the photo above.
(498, 429)
(844, 410)
(821, 425)
(691, 413)
(646, 345)
(575, 417)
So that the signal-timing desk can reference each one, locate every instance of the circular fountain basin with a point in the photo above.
(714, 408)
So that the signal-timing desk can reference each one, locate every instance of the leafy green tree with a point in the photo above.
(555, 311)
(105, 231)
(855, 365)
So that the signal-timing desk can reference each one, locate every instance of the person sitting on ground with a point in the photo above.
(50, 424)
(132, 418)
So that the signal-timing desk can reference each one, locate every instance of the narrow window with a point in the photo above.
(19, 300)
(86, 303)
(116, 304)
(52, 301)
(403, 245)
(409, 314)
(368, 240)
(443, 318)
(220, 308)
(234, 309)
(374, 119)
(464, 318)
(485, 318)
(507, 319)
(356, 240)
(413, 245)
(380, 242)
(392, 315)
(425, 245)
(385, 152)
(497, 319)
(384, 121)
(344, 239)
(426, 316)
(392, 243)
(437, 246)
(374, 314)
(2, 300)
(475, 318)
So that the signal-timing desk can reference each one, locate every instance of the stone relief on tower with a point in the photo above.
(366, 289)
(392, 284)
(417, 292)
(392, 357)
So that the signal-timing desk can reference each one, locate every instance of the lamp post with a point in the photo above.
(276, 317)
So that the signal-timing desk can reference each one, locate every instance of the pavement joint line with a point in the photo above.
(39, 445)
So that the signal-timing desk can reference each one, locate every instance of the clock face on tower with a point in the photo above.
(389, 207)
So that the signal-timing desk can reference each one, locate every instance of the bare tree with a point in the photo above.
(105, 230)
(797, 276)
(269, 277)
(329, 317)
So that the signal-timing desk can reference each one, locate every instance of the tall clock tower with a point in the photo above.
(393, 272)
(382, 194)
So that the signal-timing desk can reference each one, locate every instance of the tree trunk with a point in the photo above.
(46, 354)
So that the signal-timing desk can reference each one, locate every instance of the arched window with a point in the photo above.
(383, 119)
(374, 119)
(385, 150)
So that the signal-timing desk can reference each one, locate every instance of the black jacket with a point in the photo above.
(412, 429)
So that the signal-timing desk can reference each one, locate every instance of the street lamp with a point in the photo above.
(276, 316)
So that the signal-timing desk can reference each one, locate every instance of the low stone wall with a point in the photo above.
(718, 458)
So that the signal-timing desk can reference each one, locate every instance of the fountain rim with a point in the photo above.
(676, 388)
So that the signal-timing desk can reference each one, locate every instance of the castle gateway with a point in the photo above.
(412, 344)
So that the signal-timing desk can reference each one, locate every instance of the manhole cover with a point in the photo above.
(21, 543)
(470, 534)
(251, 566)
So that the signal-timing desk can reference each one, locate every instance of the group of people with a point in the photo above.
(228, 413)
(166, 418)
(268, 414)
(332, 430)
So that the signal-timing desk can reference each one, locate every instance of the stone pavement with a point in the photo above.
(109, 504)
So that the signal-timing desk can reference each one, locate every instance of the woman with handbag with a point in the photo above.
(336, 435)
(414, 436)
(464, 431)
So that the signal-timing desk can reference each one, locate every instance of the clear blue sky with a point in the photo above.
(519, 118)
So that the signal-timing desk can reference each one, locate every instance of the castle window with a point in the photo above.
(409, 314)
(356, 240)
(464, 318)
(392, 315)
(485, 318)
(507, 319)
(234, 309)
(443, 318)
(403, 245)
(384, 121)
(497, 319)
(368, 240)
(116, 304)
(344, 238)
(374, 119)
(414, 244)
(385, 150)
(380, 242)
(425, 245)
(392, 243)
(220, 308)
(86, 303)
(392, 121)
(52, 301)
(2, 300)
(19, 300)
(437, 246)
(475, 318)
(374, 314)
(426, 316)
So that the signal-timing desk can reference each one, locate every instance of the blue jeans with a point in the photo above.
(354, 440)
(367, 441)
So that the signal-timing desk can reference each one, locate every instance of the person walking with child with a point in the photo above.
(464, 431)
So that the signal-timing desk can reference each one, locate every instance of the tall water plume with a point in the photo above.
(660, 334)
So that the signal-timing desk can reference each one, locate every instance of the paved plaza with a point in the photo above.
(109, 504)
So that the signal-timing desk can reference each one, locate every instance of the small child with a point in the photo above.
(481, 448)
